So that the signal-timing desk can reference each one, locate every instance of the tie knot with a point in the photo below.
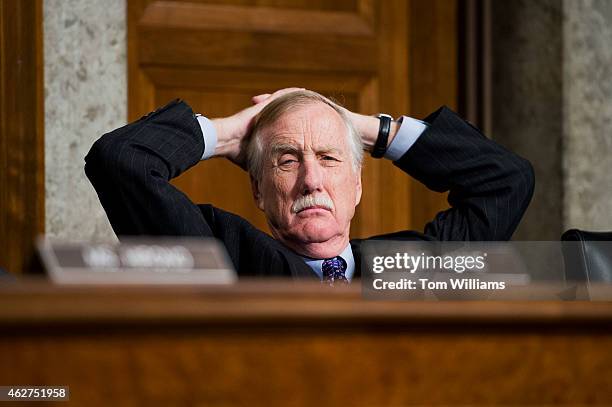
(333, 270)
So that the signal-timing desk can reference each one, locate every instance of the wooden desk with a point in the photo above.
(276, 343)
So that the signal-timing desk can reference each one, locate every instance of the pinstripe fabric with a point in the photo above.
(130, 167)
(490, 187)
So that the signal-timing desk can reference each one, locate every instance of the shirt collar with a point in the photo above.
(347, 255)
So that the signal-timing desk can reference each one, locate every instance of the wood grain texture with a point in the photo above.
(434, 79)
(216, 54)
(21, 132)
(262, 19)
(266, 343)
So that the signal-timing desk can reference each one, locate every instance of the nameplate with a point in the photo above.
(138, 260)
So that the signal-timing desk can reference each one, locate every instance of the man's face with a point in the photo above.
(308, 187)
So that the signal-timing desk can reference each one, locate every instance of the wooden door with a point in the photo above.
(22, 180)
(217, 54)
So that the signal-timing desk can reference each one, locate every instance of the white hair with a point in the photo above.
(283, 104)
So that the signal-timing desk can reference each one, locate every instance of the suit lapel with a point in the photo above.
(299, 269)
(302, 270)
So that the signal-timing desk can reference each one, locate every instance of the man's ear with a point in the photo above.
(257, 193)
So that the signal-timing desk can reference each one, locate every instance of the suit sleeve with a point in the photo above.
(489, 187)
(131, 167)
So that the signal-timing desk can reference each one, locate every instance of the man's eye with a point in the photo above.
(287, 162)
(329, 158)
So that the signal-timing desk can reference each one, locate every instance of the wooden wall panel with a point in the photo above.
(21, 132)
(217, 54)
(434, 71)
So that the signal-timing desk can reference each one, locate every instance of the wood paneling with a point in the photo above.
(163, 14)
(21, 132)
(434, 71)
(216, 55)
(282, 344)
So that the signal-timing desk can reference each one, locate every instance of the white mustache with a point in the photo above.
(312, 200)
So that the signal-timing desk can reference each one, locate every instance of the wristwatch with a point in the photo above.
(380, 147)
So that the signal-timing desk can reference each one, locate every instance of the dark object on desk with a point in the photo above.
(587, 256)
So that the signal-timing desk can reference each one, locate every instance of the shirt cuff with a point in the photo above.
(210, 136)
(409, 132)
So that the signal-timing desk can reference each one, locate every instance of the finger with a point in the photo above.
(270, 97)
(267, 97)
(260, 98)
(284, 91)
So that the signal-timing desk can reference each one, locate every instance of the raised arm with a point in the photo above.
(131, 167)
(489, 187)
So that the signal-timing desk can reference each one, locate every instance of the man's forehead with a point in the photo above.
(317, 123)
(282, 145)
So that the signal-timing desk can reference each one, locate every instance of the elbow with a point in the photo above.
(94, 160)
(101, 150)
(523, 192)
(103, 159)
(106, 151)
(95, 164)
(527, 175)
(96, 153)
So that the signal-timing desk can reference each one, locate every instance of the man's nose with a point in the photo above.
(312, 176)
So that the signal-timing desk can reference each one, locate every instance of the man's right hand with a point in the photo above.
(232, 130)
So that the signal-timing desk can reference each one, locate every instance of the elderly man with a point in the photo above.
(303, 154)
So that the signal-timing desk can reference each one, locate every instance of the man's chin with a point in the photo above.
(321, 242)
(315, 231)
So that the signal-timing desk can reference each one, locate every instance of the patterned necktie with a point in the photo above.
(333, 270)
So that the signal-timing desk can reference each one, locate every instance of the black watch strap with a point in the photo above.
(380, 147)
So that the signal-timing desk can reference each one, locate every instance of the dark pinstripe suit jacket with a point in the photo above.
(490, 188)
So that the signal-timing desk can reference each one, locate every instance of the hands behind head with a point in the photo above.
(232, 130)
